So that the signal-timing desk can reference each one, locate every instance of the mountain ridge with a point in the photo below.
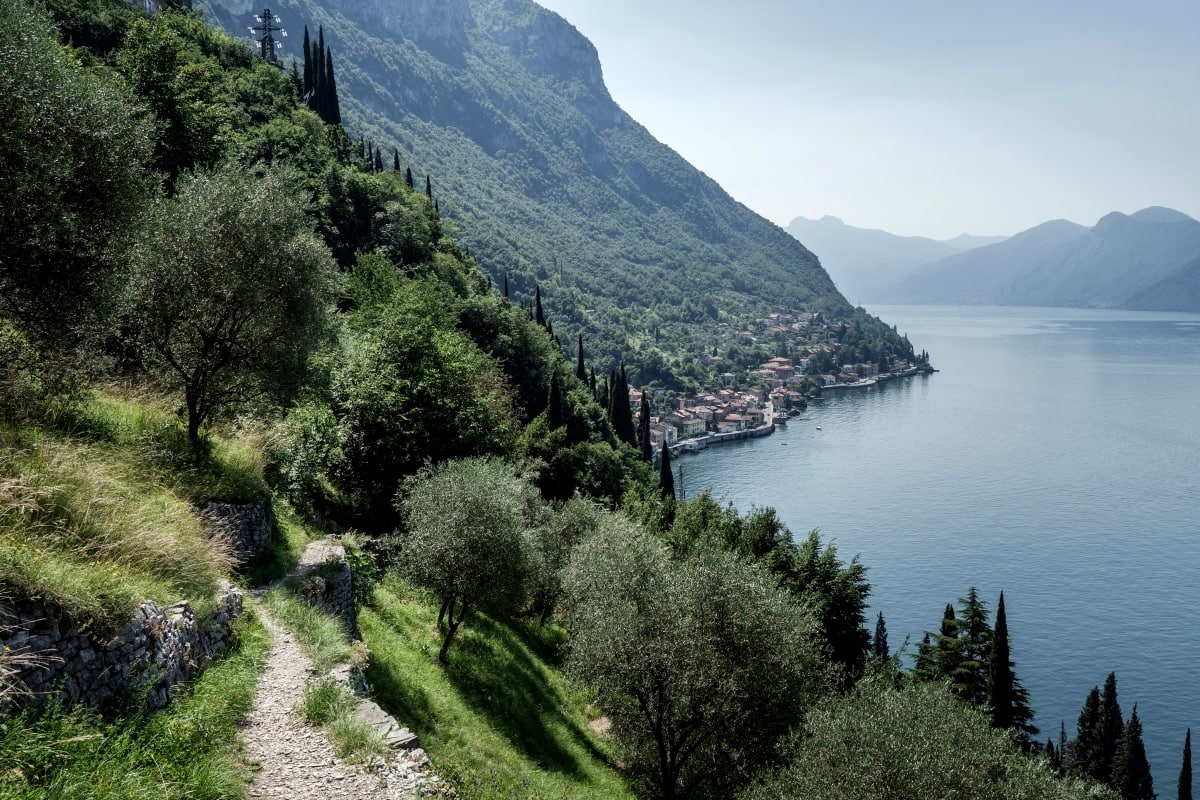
(1117, 263)
(503, 103)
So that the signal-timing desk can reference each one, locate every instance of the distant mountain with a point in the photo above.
(548, 180)
(864, 262)
(1125, 261)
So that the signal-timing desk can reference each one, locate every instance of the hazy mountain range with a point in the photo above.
(548, 180)
(1149, 260)
(865, 262)
(1144, 260)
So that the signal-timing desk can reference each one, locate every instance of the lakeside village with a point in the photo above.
(777, 389)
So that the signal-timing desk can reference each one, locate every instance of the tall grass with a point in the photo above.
(499, 720)
(187, 751)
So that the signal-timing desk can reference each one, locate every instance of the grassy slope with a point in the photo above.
(500, 720)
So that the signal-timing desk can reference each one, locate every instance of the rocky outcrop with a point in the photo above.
(154, 652)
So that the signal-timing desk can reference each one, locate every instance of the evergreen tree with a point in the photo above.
(428, 187)
(580, 370)
(925, 665)
(879, 642)
(297, 81)
(1185, 771)
(506, 286)
(408, 181)
(1112, 727)
(378, 160)
(620, 414)
(1007, 698)
(946, 653)
(538, 316)
(333, 109)
(395, 159)
(1084, 752)
(644, 429)
(554, 406)
(975, 648)
(666, 478)
(319, 64)
(308, 67)
(1130, 769)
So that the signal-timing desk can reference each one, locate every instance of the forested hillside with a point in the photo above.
(211, 293)
(548, 180)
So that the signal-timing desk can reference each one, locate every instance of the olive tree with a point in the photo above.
(229, 291)
(465, 538)
(910, 744)
(702, 663)
(74, 150)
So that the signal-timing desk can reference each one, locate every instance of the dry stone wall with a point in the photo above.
(157, 650)
(249, 526)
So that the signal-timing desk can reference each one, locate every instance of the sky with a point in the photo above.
(929, 118)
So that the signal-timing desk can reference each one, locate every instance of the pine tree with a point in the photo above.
(925, 665)
(1130, 769)
(879, 642)
(580, 369)
(408, 180)
(975, 648)
(647, 448)
(1185, 771)
(1112, 727)
(1007, 698)
(1084, 751)
(947, 655)
(666, 478)
(538, 316)
(554, 406)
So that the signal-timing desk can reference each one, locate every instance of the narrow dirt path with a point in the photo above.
(292, 760)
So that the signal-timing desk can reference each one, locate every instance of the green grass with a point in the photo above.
(186, 752)
(97, 510)
(499, 720)
(284, 550)
(319, 633)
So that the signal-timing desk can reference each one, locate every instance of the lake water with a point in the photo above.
(1055, 457)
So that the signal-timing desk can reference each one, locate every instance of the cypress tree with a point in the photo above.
(592, 380)
(580, 370)
(1130, 769)
(1112, 727)
(554, 406)
(1185, 771)
(318, 98)
(666, 478)
(550, 330)
(1084, 751)
(333, 109)
(879, 642)
(308, 67)
(538, 316)
(1007, 698)
(378, 160)
(505, 285)
(946, 654)
(619, 412)
(408, 180)
(297, 81)
(437, 209)
(428, 187)
(395, 159)
(644, 430)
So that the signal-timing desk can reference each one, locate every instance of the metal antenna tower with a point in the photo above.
(265, 31)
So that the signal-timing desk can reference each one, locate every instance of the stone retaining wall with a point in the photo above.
(323, 577)
(248, 525)
(154, 652)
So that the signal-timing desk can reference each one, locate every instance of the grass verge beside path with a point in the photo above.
(187, 752)
(499, 720)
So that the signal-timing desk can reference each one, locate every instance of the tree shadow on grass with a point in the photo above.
(491, 666)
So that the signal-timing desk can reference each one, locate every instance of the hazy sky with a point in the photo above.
(930, 117)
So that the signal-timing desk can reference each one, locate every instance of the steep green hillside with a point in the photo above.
(504, 105)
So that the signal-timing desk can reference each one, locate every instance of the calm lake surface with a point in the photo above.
(1055, 457)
